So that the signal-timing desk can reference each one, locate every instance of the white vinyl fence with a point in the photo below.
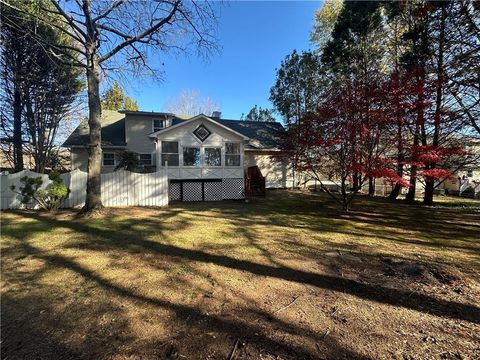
(119, 188)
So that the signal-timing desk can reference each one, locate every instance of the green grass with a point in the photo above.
(139, 277)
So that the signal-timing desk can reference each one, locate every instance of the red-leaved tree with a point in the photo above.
(343, 141)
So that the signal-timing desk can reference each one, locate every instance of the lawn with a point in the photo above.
(285, 277)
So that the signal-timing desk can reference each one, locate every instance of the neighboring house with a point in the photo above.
(206, 158)
(61, 158)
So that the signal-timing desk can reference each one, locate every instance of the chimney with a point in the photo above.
(216, 114)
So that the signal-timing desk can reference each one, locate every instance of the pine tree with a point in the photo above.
(114, 98)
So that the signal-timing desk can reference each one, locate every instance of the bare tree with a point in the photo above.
(119, 36)
(188, 102)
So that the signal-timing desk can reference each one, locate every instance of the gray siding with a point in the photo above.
(79, 159)
(137, 130)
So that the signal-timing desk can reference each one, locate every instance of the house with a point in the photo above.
(205, 157)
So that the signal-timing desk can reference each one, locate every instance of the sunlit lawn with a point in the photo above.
(289, 276)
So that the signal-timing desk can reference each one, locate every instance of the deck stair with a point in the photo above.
(254, 182)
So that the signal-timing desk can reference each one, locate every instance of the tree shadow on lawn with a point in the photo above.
(395, 228)
(33, 326)
(319, 213)
(395, 297)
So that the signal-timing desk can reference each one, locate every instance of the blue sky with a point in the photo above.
(254, 36)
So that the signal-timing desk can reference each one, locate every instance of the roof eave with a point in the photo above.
(156, 133)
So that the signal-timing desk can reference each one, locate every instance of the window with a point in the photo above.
(202, 133)
(108, 159)
(158, 124)
(191, 156)
(170, 153)
(469, 173)
(232, 154)
(213, 156)
(145, 159)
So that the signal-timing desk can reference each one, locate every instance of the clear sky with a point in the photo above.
(255, 36)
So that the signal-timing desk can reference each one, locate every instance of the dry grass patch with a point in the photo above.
(285, 277)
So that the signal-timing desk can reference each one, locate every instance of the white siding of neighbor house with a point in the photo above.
(455, 183)
(185, 137)
(277, 173)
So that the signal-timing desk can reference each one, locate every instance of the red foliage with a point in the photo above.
(437, 174)
(358, 130)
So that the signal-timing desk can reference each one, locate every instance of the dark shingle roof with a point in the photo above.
(263, 135)
(113, 131)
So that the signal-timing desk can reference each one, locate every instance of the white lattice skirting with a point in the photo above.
(207, 189)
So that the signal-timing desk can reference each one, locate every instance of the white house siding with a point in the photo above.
(197, 183)
(184, 135)
(276, 172)
(461, 177)
(137, 129)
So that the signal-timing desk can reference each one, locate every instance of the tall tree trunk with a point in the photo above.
(93, 199)
(94, 191)
(410, 197)
(17, 129)
(400, 156)
(343, 190)
(430, 183)
(397, 188)
(371, 187)
(355, 182)
(428, 196)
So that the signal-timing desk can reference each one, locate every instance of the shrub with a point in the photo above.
(127, 160)
(49, 199)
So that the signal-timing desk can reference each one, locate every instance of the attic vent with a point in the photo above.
(216, 114)
(202, 133)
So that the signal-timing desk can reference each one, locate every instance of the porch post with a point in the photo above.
(158, 155)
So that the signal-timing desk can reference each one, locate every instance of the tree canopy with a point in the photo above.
(114, 98)
(39, 92)
(324, 23)
(257, 113)
(296, 88)
(191, 103)
(391, 98)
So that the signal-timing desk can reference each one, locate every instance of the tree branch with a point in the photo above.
(69, 19)
(146, 33)
(116, 4)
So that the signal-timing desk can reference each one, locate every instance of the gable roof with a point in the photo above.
(200, 116)
(260, 135)
(113, 131)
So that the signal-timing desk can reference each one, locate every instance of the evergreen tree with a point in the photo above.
(259, 114)
(297, 84)
(324, 23)
(38, 91)
(114, 98)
